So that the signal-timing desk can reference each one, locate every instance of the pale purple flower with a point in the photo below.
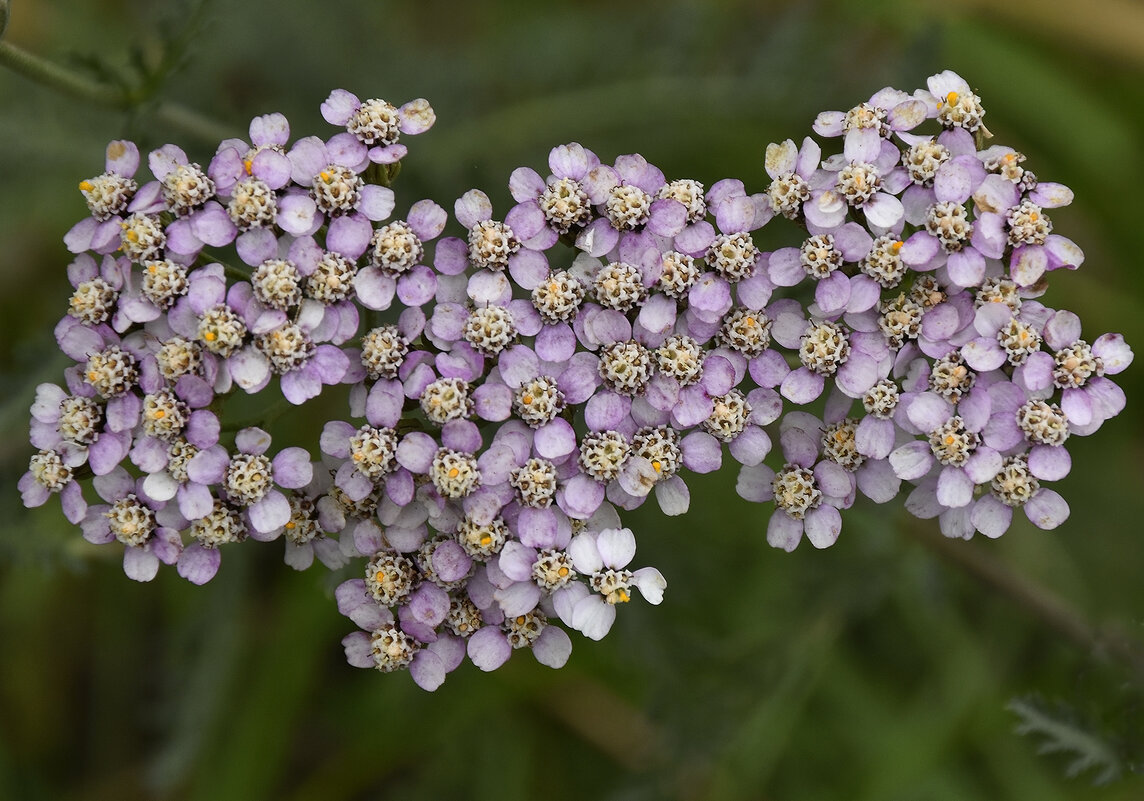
(384, 646)
(51, 471)
(397, 260)
(808, 493)
(627, 198)
(263, 158)
(136, 520)
(248, 478)
(561, 197)
(375, 122)
(863, 127)
(108, 196)
(331, 171)
(954, 450)
(603, 558)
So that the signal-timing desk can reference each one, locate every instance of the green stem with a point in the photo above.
(1041, 602)
(70, 82)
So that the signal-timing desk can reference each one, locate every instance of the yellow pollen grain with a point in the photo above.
(623, 596)
(152, 268)
(248, 165)
(949, 439)
(562, 572)
(291, 524)
(159, 414)
(526, 399)
(658, 465)
(92, 376)
(132, 236)
(553, 287)
(454, 472)
(1034, 216)
(750, 322)
(358, 456)
(326, 177)
(210, 336)
(486, 540)
(379, 576)
(951, 98)
(520, 620)
(896, 246)
(86, 186)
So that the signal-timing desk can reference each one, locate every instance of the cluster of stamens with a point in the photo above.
(952, 443)
(1043, 423)
(824, 348)
(796, 491)
(949, 222)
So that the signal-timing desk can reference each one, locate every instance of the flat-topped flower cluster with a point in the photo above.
(518, 382)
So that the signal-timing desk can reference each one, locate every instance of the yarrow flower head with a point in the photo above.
(523, 377)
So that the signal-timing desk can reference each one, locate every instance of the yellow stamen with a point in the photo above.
(92, 376)
(622, 596)
(86, 186)
(658, 465)
(248, 165)
(454, 472)
(562, 572)
(526, 399)
(291, 524)
(152, 268)
(132, 236)
(950, 439)
(326, 177)
(486, 540)
(897, 246)
(210, 336)
(951, 98)
(159, 414)
(379, 576)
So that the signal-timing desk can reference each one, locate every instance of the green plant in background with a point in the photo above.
(617, 364)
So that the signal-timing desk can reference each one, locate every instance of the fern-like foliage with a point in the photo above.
(1060, 731)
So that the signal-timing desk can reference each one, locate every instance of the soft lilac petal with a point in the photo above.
(784, 532)
(593, 617)
(197, 564)
(292, 468)
(802, 386)
(823, 526)
(991, 517)
(954, 487)
(488, 648)
(140, 564)
(553, 647)
(1047, 509)
(270, 513)
(912, 460)
(1049, 463)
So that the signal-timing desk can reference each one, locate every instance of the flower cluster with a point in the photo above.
(518, 383)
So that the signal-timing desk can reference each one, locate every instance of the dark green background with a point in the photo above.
(876, 671)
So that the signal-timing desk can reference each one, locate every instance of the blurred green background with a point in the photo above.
(876, 671)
